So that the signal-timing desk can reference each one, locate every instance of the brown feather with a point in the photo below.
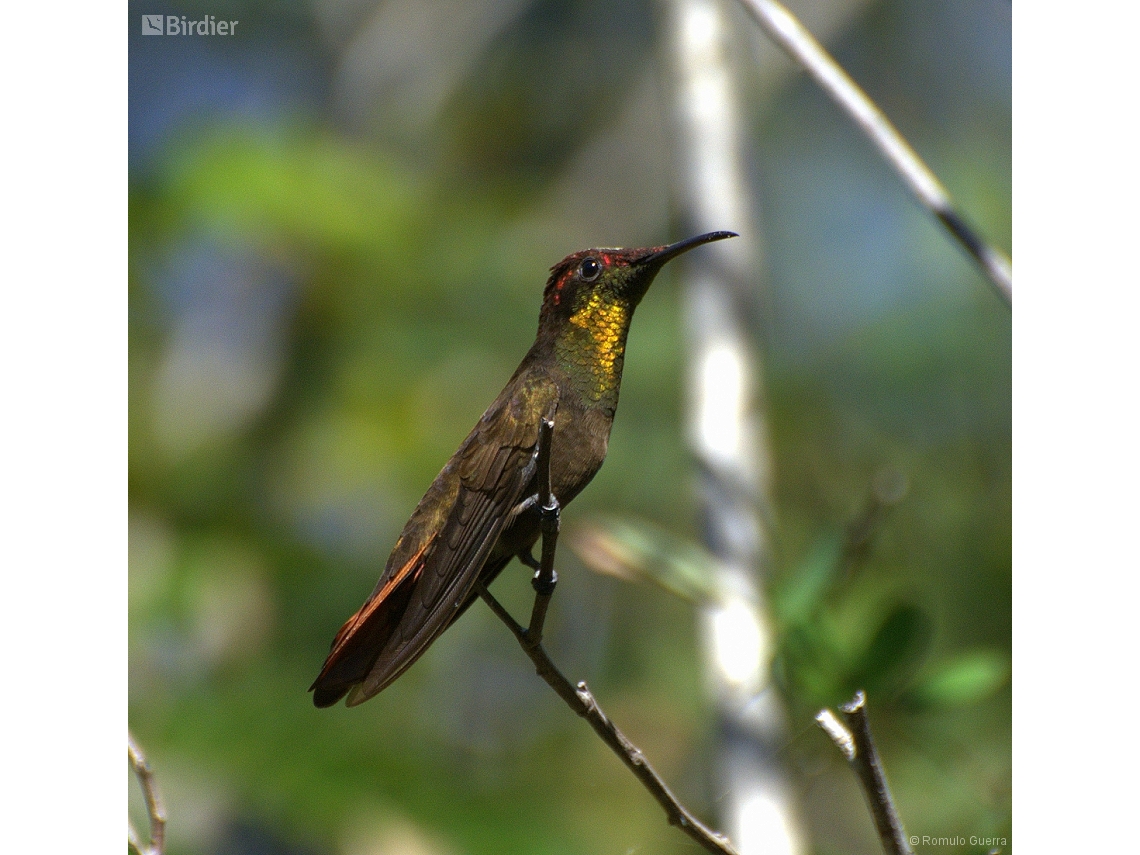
(359, 641)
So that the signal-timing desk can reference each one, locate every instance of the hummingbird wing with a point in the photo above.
(436, 562)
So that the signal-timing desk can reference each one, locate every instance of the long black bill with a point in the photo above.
(666, 253)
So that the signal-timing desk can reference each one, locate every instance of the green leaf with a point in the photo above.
(964, 679)
(636, 550)
(901, 641)
(798, 596)
(303, 188)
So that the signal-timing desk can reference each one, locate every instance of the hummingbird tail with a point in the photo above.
(363, 636)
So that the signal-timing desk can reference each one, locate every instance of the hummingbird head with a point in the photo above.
(586, 282)
(589, 301)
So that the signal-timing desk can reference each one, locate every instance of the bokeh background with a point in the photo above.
(340, 223)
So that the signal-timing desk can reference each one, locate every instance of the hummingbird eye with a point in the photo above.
(589, 270)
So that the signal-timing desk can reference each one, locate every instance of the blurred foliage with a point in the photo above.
(327, 291)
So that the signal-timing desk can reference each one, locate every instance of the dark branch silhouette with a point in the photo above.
(579, 698)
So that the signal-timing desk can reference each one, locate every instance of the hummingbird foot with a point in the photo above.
(545, 577)
(541, 584)
(544, 585)
(525, 505)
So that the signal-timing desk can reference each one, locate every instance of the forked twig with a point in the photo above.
(852, 737)
(794, 38)
(155, 811)
(579, 698)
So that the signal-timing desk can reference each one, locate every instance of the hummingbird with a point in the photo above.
(482, 510)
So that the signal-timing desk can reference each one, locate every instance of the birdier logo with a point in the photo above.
(175, 25)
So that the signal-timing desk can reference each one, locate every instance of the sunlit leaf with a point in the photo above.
(323, 193)
(635, 550)
(962, 680)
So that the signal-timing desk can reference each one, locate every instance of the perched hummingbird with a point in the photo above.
(481, 511)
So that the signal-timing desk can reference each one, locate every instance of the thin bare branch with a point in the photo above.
(579, 698)
(795, 39)
(852, 736)
(155, 811)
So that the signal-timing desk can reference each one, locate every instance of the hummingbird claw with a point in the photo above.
(526, 504)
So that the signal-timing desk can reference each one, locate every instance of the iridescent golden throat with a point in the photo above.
(592, 347)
